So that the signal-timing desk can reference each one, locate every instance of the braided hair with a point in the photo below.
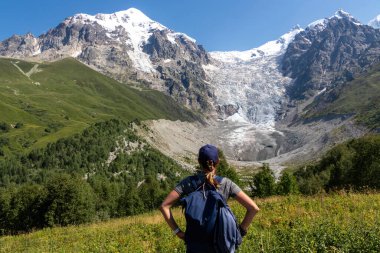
(208, 160)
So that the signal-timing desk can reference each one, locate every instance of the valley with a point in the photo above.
(101, 115)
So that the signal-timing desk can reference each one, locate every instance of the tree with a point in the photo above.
(21, 208)
(339, 162)
(27, 207)
(287, 184)
(151, 194)
(264, 182)
(130, 203)
(107, 196)
(70, 200)
(225, 170)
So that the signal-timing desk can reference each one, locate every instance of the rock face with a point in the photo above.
(125, 45)
(179, 65)
(329, 52)
(20, 46)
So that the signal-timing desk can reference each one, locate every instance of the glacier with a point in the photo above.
(251, 82)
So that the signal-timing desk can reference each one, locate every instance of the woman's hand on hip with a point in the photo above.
(181, 235)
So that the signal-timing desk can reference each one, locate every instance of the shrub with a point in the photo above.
(19, 125)
(287, 184)
(264, 183)
(4, 127)
(4, 141)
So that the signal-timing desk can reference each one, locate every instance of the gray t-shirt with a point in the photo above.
(227, 188)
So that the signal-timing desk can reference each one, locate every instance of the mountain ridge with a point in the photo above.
(258, 94)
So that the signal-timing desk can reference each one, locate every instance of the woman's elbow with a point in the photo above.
(253, 209)
(164, 207)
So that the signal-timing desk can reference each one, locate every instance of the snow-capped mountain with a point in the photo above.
(253, 84)
(271, 48)
(138, 30)
(125, 45)
(327, 52)
(375, 23)
(320, 24)
(266, 85)
(131, 28)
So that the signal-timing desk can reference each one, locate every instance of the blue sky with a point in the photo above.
(216, 24)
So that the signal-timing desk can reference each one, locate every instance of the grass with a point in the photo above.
(360, 97)
(325, 223)
(70, 96)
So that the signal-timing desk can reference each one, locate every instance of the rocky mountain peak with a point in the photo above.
(329, 51)
(296, 27)
(321, 24)
(247, 89)
(133, 14)
(112, 20)
(375, 23)
(342, 14)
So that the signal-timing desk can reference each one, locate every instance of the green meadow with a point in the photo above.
(61, 98)
(339, 222)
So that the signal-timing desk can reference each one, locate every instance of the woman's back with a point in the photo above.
(225, 187)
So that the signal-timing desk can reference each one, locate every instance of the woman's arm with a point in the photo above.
(172, 197)
(251, 207)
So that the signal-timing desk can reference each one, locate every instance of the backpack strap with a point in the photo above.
(219, 179)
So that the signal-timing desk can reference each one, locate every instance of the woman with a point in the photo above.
(208, 160)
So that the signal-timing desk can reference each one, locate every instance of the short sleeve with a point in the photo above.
(230, 188)
(184, 187)
(234, 189)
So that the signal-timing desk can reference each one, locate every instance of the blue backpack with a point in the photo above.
(210, 224)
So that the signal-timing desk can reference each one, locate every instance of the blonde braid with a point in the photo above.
(210, 173)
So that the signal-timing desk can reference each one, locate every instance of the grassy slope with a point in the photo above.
(65, 97)
(335, 223)
(361, 97)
